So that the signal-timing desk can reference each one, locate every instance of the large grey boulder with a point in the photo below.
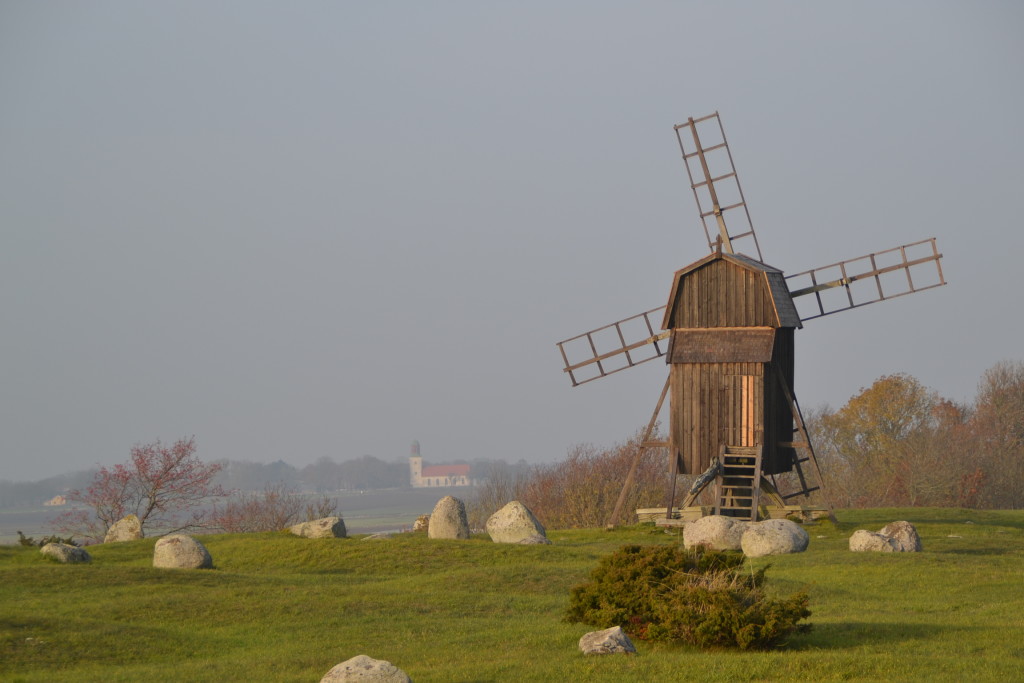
(905, 536)
(68, 554)
(514, 523)
(179, 551)
(325, 527)
(864, 541)
(366, 670)
(774, 537)
(448, 520)
(609, 641)
(716, 532)
(125, 529)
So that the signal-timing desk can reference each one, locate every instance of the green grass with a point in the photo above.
(282, 608)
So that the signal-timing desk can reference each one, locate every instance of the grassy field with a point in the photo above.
(282, 608)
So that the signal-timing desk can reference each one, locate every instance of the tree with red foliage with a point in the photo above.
(157, 485)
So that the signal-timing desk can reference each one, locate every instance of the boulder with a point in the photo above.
(325, 527)
(609, 641)
(125, 529)
(514, 523)
(448, 520)
(367, 670)
(716, 532)
(179, 551)
(868, 541)
(905, 535)
(774, 537)
(68, 554)
(422, 523)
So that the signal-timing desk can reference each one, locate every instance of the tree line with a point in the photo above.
(899, 443)
(894, 444)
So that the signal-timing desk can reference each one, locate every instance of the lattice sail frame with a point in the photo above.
(611, 348)
(881, 276)
(715, 184)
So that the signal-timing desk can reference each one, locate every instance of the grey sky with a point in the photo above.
(298, 230)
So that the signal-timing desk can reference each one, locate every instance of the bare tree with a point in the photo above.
(276, 507)
(158, 484)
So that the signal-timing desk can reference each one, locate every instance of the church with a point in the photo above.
(435, 475)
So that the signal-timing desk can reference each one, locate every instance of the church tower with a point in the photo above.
(415, 465)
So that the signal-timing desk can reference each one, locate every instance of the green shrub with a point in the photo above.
(701, 597)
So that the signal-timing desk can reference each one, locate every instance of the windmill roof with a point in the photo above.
(781, 298)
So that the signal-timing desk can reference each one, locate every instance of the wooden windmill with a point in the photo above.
(727, 336)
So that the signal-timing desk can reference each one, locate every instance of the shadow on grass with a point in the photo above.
(849, 635)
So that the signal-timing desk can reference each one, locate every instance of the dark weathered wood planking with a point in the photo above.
(723, 294)
(730, 332)
(721, 344)
(778, 417)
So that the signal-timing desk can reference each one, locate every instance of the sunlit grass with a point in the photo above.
(281, 608)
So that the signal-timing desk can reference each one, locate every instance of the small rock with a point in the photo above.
(905, 535)
(125, 529)
(68, 554)
(514, 523)
(868, 541)
(325, 527)
(609, 641)
(716, 532)
(448, 520)
(367, 670)
(179, 551)
(774, 537)
(422, 523)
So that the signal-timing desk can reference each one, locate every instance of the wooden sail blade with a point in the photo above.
(716, 187)
(609, 349)
(867, 279)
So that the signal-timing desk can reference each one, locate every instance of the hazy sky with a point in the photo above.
(298, 230)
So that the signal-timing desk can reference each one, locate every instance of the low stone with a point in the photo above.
(905, 535)
(609, 641)
(325, 527)
(125, 529)
(367, 670)
(422, 523)
(868, 541)
(179, 551)
(716, 532)
(68, 554)
(448, 520)
(774, 537)
(514, 523)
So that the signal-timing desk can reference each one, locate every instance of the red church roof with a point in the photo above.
(445, 471)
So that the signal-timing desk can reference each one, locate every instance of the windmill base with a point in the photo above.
(680, 516)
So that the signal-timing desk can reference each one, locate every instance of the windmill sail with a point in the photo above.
(868, 279)
(609, 349)
(716, 187)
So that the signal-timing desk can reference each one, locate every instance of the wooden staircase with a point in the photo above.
(738, 484)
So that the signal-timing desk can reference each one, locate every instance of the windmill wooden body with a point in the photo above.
(729, 324)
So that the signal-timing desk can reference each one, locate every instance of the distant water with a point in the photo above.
(364, 512)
